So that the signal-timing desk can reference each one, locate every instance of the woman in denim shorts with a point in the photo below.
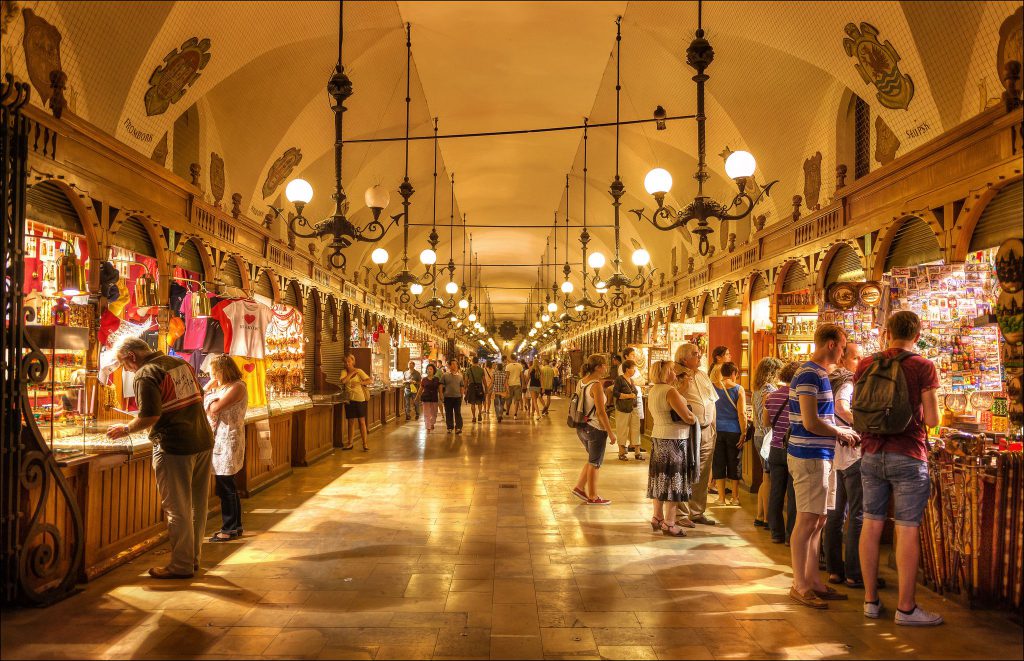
(596, 433)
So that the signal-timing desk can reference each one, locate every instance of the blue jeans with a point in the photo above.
(411, 403)
(849, 498)
(904, 479)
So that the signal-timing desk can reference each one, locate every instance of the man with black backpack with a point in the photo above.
(895, 401)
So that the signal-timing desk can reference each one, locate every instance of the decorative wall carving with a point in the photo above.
(812, 180)
(280, 170)
(216, 177)
(180, 70)
(886, 142)
(878, 65)
(160, 152)
(42, 53)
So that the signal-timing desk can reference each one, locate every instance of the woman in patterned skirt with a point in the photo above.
(673, 468)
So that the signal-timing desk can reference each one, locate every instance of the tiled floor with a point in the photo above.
(471, 546)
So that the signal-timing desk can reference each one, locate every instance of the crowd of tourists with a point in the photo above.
(826, 483)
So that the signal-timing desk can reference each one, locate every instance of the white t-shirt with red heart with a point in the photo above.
(245, 327)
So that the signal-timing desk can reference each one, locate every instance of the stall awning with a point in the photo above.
(264, 287)
(191, 260)
(844, 267)
(796, 278)
(47, 204)
(759, 288)
(1001, 218)
(132, 235)
(915, 243)
(230, 273)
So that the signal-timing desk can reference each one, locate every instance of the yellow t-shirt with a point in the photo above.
(355, 390)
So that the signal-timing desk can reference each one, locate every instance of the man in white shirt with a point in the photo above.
(515, 387)
(700, 394)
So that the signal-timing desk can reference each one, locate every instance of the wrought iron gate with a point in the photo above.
(41, 560)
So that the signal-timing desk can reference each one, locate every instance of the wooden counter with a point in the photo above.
(255, 474)
(312, 434)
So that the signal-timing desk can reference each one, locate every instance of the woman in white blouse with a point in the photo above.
(671, 471)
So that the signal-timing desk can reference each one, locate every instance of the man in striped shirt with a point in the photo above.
(500, 389)
(812, 441)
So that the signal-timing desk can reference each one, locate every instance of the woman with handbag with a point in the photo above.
(627, 418)
(356, 381)
(731, 415)
(427, 396)
(674, 462)
(765, 376)
(776, 416)
(595, 430)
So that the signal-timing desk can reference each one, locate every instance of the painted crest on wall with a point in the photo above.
(1011, 41)
(179, 71)
(878, 65)
(886, 142)
(42, 52)
(160, 152)
(812, 180)
(280, 170)
(216, 177)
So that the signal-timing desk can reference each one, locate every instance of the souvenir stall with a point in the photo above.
(972, 533)
(689, 331)
(796, 315)
(849, 301)
(762, 329)
(314, 428)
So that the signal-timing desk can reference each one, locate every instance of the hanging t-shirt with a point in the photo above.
(254, 376)
(245, 327)
(195, 327)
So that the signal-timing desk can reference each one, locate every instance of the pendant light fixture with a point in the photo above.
(299, 192)
(641, 258)
(435, 304)
(404, 281)
(584, 303)
(739, 166)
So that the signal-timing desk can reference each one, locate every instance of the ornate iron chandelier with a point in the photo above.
(584, 303)
(299, 192)
(404, 281)
(740, 165)
(435, 303)
(641, 258)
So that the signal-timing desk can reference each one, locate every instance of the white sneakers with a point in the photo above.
(919, 617)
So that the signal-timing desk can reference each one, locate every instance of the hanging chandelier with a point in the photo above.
(404, 281)
(299, 192)
(739, 166)
(437, 306)
(584, 303)
(641, 258)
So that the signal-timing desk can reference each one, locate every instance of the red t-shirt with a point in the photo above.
(921, 375)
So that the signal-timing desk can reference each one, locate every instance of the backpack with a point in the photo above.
(577, 418)
(881, 399)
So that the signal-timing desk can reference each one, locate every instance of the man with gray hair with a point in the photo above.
(171, 407)
(696, 388)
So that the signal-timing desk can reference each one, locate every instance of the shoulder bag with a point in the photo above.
(623, 405)
(766, 442)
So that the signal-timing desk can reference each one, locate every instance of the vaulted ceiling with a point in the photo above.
(781, 87)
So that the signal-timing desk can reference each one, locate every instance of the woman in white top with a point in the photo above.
(670, 475)
(226, 401)
(595, 430)
(356, 409)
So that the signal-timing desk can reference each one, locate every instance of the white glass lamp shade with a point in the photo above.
(379, 256)
(463, 304)
(451, 288)
(545, 317)
(552, 307)
(298, 191)
(596, 260)
(641, 257)
(416, 289)
(377, 197)
(428, 257)
(537, 324)
(579, 308)
(472, 316)
(601, 284)
(740, 164)
(658, 181)
(567, 287)
(453, 319)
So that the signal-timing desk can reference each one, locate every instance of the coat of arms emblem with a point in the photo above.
(216, 177)
(280, 170)
(180, 69)
(812, 180)
(42, 52)
(878, 65)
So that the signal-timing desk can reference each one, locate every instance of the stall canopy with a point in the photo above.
(132, 235)
(915, 243)
(190, 260)
(844, 267)
(730, 298)
(758, 288)
(264, 287)
(1001, 219)
(291, 296)
(796, 278)
(48, 204)
(709, 307)
(230, 274)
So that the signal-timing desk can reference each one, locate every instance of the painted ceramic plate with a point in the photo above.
(982, 401)
(956, 403)
(843, 295)
(1010, 265)
(870, 294)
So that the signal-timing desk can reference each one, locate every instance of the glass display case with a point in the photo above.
(794, 331)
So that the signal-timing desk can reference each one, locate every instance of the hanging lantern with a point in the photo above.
(70, 275)
(145, 291)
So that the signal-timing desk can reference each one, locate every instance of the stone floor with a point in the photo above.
(471, 546)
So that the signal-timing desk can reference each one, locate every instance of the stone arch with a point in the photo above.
(879, 255)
